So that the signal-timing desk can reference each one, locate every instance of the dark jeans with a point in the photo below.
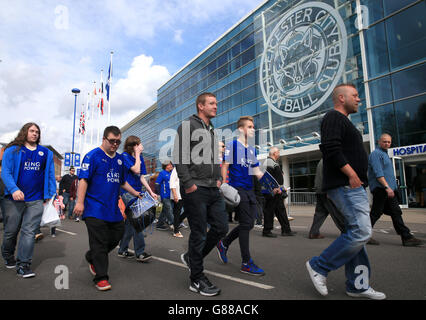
(247, 211)
(205, 205)
(178, 217)
(104, 236)
(274, 205)
(323, 208)
(389, 206)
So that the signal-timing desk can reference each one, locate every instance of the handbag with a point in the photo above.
(50, 215)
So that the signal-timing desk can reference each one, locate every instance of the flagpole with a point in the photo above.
(92, 119)
(110, 82)
(99, 115)
(87, 122)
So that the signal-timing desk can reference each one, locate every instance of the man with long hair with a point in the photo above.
(29, 176)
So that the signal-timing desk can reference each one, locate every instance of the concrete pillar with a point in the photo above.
(286, 169)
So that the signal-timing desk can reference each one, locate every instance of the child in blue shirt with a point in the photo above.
(241, 161)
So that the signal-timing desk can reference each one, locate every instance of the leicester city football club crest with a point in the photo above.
(119, 162)
(303, 59)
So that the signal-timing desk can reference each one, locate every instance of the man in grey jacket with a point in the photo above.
(196, 157)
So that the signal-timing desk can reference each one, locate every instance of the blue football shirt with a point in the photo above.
(104, 175)
(241, 160)
(133, 179)
(31, 173)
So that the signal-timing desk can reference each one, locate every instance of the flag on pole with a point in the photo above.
(108, 85)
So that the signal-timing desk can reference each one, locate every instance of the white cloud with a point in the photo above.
(48, 48)
(138, 91)
(178, 36)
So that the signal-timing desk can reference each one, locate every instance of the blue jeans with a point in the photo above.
(349, 248)
(25, 217)
(166, 215)
(138, 240)
(71, 207)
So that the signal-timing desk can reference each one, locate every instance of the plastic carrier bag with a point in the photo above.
(50, 215)
(140, 211)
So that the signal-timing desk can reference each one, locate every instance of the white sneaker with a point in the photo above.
(369, 293)
(318, 280)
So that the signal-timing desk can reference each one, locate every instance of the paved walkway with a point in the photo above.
(411, 215)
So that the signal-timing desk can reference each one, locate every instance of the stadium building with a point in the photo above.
(280, 64)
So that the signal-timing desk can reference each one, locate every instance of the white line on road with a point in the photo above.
(224, 276)
(69, 232)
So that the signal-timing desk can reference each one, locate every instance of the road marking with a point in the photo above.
(224, 276)
(380, 230)
(69, 232)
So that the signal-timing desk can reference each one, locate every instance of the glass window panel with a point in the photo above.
(247, 56)
(236, 86)
(248, 94)
(247, 42)
(380, 91)
(375, 10)
(234, 115)
(235, 50)
(384, 121)
(212, 78)
(409, 82)
(236, 99)
(222, 59)
(211, 67)
(406, 34)
(376, 47)
(411, 119)
(249, 109)
(248, 79)
(222, 72)
(394, 5)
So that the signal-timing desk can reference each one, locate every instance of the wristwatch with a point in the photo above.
(386, 187)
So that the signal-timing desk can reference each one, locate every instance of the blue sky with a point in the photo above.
(49, 47)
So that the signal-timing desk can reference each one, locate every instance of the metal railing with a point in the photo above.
(302, 199)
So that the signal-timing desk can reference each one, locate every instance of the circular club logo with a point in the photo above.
(303, 59)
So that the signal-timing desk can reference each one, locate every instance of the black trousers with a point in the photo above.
(389, 206)
(247, 212)
(177, 217)
(323, 208)
(204, 206)
(104, 237)
(274, 206)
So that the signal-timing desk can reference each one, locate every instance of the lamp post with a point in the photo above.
(75, 91)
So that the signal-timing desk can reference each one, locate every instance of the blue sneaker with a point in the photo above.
(24, 271)
(252, 269)
(221, 251)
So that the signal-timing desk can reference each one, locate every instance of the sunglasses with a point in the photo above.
(113, 141)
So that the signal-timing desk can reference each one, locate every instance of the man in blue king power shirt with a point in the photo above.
(29, 176)
(101, 176)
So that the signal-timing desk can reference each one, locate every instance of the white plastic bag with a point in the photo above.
(50, 216)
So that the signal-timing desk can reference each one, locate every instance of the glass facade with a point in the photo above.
(280, 64)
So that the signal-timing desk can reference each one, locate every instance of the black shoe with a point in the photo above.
(373, 242)
(412, 242)
(204, 287)
(11, 263)
(269, 235)
(288, 234)
(144, 257)
(126, 254)
(25, 272)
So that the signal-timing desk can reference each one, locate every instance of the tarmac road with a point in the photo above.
(62, 272)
